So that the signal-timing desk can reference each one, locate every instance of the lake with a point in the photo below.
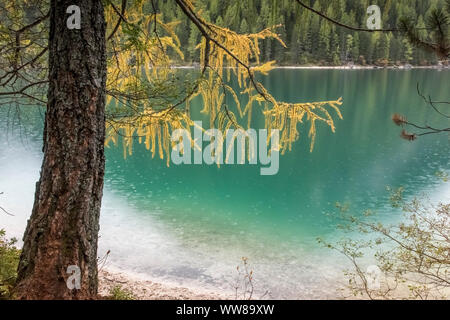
(191, 224)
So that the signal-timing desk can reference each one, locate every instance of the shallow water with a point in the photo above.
(191, 224)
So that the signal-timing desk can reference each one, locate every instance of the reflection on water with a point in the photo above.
(191, 224)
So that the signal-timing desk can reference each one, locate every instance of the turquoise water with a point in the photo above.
(191, 224)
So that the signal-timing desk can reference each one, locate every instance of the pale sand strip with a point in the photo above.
(149, 290)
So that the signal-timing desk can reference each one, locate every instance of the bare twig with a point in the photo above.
(432, 103)
(121, 18)
(9, 214)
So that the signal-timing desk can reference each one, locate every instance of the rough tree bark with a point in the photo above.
(64, 224)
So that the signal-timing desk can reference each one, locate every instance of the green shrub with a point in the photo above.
(117, 293)
(9, 259)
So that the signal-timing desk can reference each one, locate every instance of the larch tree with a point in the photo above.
(103, 71)
(64, 224)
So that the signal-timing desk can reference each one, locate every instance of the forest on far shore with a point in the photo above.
(309, 38)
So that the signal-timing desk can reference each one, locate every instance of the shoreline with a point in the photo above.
(143, 288)
(343, 67)
(365, 67)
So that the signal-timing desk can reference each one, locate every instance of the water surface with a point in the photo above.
(191, 224)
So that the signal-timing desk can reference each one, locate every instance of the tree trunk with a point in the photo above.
(64, 224)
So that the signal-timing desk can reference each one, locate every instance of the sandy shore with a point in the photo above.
(148, 290)
(142, 289)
